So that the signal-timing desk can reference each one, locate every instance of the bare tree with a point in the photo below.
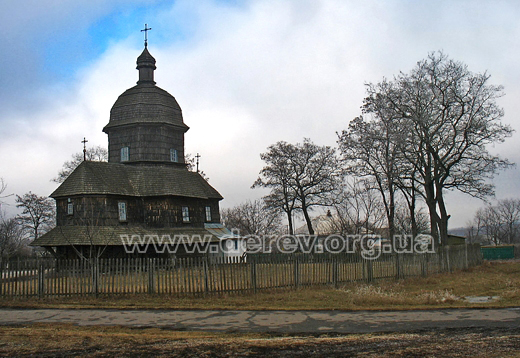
(38, 213)
(306, 172)
(490, 220)
(12, 237)
(448, 115)
(94, 154)
(358, 209)
(253, 218)
(370, 150)
(508, 211)
(406, 221)
(474, 230)
(277, 176)
(3, 187)
(499, 223)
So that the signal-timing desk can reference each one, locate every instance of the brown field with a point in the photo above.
(65, 340)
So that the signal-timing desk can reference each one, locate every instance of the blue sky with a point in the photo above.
(246, 74)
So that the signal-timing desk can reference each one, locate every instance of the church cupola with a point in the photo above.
(146, 124)
(146, 66)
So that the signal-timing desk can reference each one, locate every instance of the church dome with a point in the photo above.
(146, 124)
(145, 103)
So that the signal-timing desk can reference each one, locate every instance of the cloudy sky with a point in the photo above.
(246, 74)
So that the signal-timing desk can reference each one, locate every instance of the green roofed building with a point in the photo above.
(145, 190)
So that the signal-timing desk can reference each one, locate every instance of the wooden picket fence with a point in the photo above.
(216, 275)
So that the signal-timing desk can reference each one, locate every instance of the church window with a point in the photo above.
(122, 210)
(174, 156)
(185, 214)
(208, 213)
(125, 156)
(70, 207)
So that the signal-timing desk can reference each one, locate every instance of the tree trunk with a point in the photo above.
(432, 209)
(391, 213)
(306, 214)
(413, 220)
(307, 220)
(443, 220)
(289, 219)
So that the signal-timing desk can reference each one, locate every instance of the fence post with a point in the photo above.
(151, 267)
(41, 279)
(296, 269)
(335, 271)
(466, 265)
(447, 251)
(1, 276)
(370, 271)
(252, 263)
(95, 276)
(398, 273)
(424, 270)
(205, 267)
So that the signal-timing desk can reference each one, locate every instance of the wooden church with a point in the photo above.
(144, 192)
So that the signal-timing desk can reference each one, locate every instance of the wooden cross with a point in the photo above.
(197, 156)
(145, 30)
(84, 141)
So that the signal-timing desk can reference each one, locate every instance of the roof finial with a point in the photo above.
(145, 30)
(84, 141)
(198, 157)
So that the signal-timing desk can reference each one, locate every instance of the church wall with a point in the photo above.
(87, 211)
(154, 212)
(146, 143)
(167, 211)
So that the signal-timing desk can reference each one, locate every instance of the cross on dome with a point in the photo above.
(145, 30)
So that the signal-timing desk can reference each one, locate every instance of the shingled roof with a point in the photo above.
(146, 103)
(120, 179)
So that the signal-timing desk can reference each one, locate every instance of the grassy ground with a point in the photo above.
(437, 291)
(65, 340)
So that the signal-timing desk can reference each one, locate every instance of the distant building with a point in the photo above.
(144, 190)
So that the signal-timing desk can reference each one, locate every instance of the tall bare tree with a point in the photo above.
(370, 150)
(448, 116)
(277, 176)
(306, 172)
(38, 213)
(94, 154)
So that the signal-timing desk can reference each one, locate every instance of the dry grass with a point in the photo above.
(446, 290)
(66, 340)
(436, 291)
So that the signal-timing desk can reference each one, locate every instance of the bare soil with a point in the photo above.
(66, 340)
